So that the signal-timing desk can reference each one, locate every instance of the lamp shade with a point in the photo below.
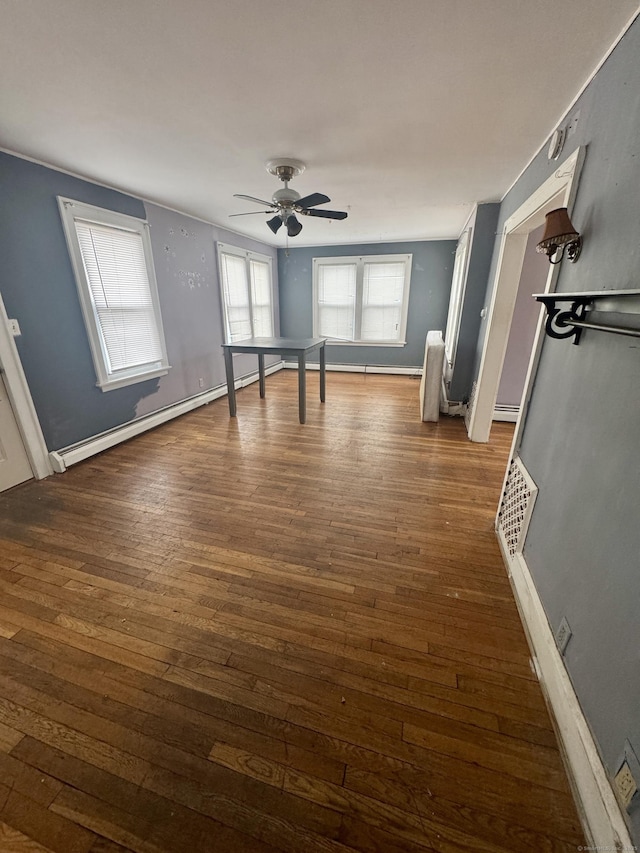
(274, 223)
(558, 231)
(294, 227)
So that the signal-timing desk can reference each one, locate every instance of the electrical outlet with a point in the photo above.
(563, 635)
(201, 382)
(14, 328)
(625, 785)
(628, 759)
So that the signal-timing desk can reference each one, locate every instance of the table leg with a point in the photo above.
(302, 387)
(322, 374)
(261, 370)
(231, 383)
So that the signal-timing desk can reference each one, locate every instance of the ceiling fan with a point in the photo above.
(287, 202)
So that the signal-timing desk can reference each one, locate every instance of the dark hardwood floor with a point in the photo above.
(252, 635)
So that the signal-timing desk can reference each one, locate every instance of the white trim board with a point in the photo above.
(64, 458)
(602, 819)
(21, 400)
(359, 368)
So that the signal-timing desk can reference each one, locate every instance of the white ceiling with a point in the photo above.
(406, 112)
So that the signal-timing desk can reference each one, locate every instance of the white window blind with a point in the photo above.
(260, 274)
(236, 297)
(336, 301)
(113, 267)
(362, 299)
(116, 272)
(247, 294)
(456, 299)
(382, 298)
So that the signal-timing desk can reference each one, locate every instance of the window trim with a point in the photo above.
(456, 299)
(107, 380)
(248, 256)
(360, 261)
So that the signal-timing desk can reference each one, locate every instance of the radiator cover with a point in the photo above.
(516, 507)
(431, 383)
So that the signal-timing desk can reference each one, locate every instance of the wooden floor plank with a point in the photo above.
(14, 841)
(254, 635)
(46, 827)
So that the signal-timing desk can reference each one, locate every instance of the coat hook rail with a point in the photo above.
(567, 312)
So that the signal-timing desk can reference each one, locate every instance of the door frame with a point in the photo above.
(559, 190)
(21, 401)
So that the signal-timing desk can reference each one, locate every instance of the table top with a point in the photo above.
(267, 345)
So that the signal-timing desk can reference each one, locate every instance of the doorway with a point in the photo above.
(557, 191)
(20, 432)
(521, 340)
(14, 463)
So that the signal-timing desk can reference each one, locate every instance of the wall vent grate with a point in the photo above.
(517, 505)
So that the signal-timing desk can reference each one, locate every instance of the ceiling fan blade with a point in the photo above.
(253, 198)
(250, 213)
(274, 223)
(294, 227)
(327, 214)
(312, 200)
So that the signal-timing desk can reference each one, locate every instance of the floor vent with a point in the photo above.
(517, 505)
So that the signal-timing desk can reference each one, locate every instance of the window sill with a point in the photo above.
(132, 379)
(339, 343)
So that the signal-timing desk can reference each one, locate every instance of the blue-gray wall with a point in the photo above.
(39, 290)
(582, 434)
(481, 250)
(431, 273)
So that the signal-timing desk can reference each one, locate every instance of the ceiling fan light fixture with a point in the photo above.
(286, 194)
(285, 202)
(294, 227)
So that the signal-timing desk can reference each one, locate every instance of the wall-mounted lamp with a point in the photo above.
(559, 233)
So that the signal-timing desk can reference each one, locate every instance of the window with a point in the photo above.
(458, 284)
(247, 293)
(362, 300)
(113, 266)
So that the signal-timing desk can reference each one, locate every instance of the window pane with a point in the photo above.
(262, 321)
(116, 271)
(261, 299)
(131, 336)
(382, 297)
(336, 300)
(235, 289)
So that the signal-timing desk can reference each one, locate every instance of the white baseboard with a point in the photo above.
(506, 413)
(602, 819)
(62, 459)
(359, 368)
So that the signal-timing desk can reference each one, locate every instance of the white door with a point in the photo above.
(14, 462)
